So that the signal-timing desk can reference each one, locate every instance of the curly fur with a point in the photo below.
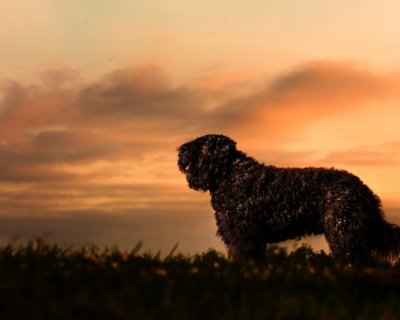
(257, 204)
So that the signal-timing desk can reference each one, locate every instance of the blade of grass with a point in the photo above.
(137, 248)
(172, 251)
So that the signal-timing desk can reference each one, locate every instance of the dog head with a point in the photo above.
(206, 161)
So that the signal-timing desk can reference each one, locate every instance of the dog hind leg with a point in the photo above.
(349, 235)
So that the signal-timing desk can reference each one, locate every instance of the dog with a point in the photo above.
(256, 204)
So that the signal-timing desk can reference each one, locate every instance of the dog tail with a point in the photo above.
(388, 246)
(386, 235)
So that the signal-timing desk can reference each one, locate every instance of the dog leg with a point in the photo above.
(248, 251)
(349, 238)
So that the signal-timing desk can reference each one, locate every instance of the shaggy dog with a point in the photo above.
(257, 204)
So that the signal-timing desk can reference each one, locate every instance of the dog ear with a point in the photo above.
(226, 145)
(231, 145)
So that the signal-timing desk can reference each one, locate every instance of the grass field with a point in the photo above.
(45, 281)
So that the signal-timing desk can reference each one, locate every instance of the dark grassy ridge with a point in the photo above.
(43, 281)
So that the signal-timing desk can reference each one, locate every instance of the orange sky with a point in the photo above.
(95, 98)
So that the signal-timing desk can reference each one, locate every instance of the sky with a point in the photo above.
(96, 96)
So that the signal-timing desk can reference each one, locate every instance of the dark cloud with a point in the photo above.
(59, 76)
(37, 158)
(59, 139)
(321, 82)
(143, 98)
(139, 93)
(12, 173)
(50, 197)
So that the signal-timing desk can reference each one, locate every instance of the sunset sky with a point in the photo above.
(96, 95)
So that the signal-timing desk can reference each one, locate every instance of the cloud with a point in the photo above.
(133, 112)
(362, 158)
(139, 93)
(58, 74)
(143, 99)
(330, 83)
(290, 102)
(136, 114)
(382, 155)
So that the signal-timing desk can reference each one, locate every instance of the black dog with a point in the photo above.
(256, 204)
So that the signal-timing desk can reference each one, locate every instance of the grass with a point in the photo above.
(46, 281)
